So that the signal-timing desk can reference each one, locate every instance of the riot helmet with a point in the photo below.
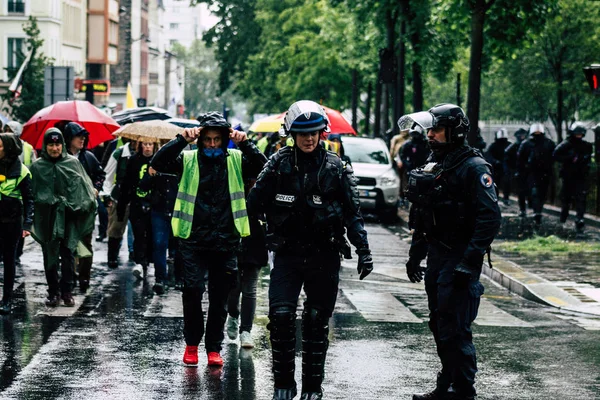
(417, 132)
(449, 116)
(305, 116)
(501, 134)
(577, 128)
(521, 134)
(536, 129)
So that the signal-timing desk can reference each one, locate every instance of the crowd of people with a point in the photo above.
(205, 216)
(524, 166)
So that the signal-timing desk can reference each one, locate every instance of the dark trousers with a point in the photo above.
(10, 233)
(319, 273)
(84, 265)
(574, 191)
(102, 218)
(451, 313)
(539, 189)
(222, 274)
(57, 257)
(141, 223)
(161, 232)
(247, 281)
(522, 191)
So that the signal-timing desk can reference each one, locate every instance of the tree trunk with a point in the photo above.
(559, 106)
(474, 90)
(385, 109)
(417, 86)
(377, 110)
(354, 99)
(399, 111)
(368, 109)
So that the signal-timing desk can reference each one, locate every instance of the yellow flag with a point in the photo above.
(131, 101)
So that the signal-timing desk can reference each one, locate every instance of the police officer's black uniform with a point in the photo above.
(455, 217)
(309, 199)
(495, 156)
(535, 162)
(575, 155)
(510, 169)
(415, 151)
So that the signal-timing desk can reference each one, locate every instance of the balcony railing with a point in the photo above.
(16, 7)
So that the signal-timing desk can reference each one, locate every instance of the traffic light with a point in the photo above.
(592, 74)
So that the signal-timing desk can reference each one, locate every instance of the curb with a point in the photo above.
(590, 220)
(535, 288)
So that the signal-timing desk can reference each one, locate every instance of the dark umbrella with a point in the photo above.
(140, 114)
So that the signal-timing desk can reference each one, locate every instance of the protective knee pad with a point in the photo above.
(282, 325)
(315, 329)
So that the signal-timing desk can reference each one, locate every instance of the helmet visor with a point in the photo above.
(422, 119)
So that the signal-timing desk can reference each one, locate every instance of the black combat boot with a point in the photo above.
(433, 395)
(579, 226)
(282, 324)
(114, 245)
(315, 328)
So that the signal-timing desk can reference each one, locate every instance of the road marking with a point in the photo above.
(380, 307)
(490, 315)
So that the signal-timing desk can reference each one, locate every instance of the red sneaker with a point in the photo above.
(214, 359)
(190, 357)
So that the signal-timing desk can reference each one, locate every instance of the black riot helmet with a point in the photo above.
(577, 128)
(450, 116)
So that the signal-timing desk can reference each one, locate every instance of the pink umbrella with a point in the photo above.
(98, 124)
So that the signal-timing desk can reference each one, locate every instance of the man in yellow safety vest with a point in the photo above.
(209, 219)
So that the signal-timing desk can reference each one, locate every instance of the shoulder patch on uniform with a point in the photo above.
(486, 180)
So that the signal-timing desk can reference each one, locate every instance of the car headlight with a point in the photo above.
(388, 180)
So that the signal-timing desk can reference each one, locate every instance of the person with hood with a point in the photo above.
(209, 219)
(510, 168)
(575, 155)
(64, 214)
(28, 156)
(495, 156)
(454, 218)
(310, 199)
(16, 210)
(535, 163)
(415, 151)
(139, 206)
(76, 139)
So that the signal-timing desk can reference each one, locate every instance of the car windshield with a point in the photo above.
(366, 151)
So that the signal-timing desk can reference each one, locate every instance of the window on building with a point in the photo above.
(172, 42)
(16, 6)
(15, 47)
(174, 26)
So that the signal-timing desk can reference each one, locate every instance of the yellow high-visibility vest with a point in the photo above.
(183, 213)
(10, 187)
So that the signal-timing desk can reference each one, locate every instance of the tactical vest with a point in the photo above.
(10, 187)
(183, 213)
(27, 154)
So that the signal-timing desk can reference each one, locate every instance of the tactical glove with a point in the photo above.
(365, 263)
(414, 271)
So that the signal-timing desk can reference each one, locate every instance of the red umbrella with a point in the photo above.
(97, 123)
(337, 123)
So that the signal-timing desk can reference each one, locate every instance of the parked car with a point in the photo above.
(378, 181)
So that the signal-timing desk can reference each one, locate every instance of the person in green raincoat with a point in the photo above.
(65, 213)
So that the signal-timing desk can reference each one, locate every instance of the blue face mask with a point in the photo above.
(213, 153)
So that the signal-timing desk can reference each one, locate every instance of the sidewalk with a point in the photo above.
(554, 282)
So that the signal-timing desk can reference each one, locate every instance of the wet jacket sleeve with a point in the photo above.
(484, 203)
(126, 189)
(353, 220)
(168, 159)
(253, 160)
(97, 174)
(419, 247)
(523, 157)
(27, 195)
(263, 192)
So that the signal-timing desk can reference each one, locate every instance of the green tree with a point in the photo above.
(201, 78)
(31, 99)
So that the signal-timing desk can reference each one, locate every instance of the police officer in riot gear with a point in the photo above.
(575, 155)
(495, 156)
(535, 162)
(415, 151)
(510, 169)
(310, 199)
(454, 218)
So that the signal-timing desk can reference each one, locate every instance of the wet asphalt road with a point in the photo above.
(122, 342)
